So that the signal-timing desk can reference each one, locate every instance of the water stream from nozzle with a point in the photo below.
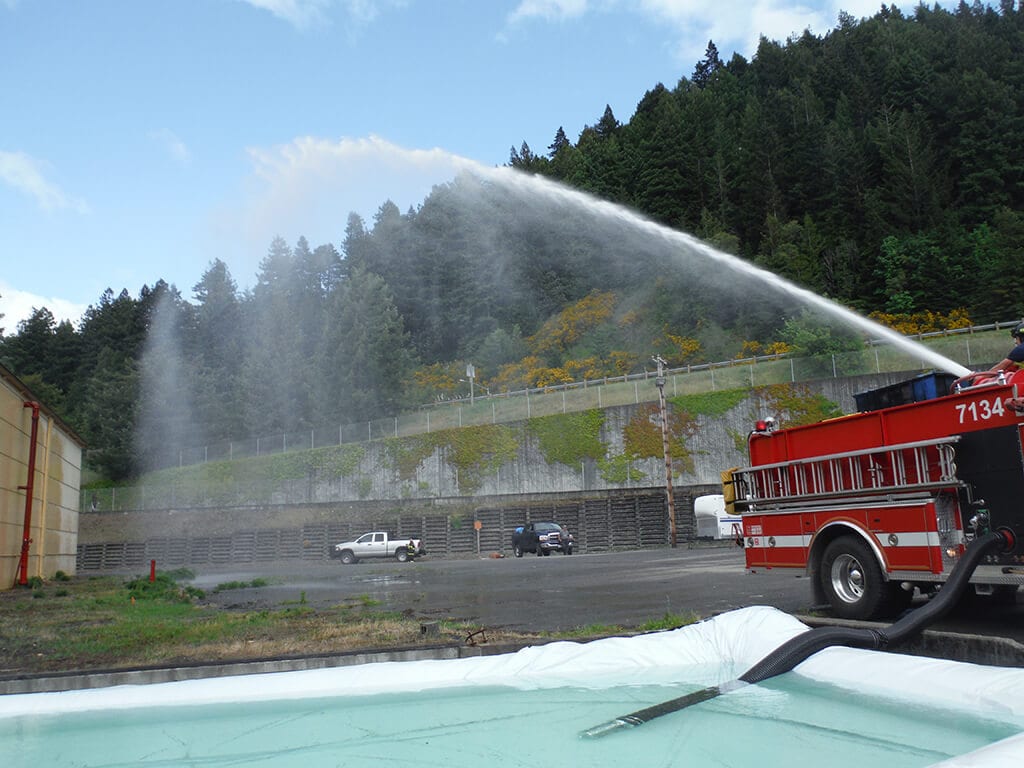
(680, 243)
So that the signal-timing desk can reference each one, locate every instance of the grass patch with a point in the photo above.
(240, 585)
(109, 623)
(588, 632)
(669, 621)
(104, 622)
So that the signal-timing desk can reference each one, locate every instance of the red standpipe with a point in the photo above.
(152, 570)
(29, 488)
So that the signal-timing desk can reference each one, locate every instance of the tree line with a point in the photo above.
(880, 165)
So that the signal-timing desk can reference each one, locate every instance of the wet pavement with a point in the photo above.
(558, 593)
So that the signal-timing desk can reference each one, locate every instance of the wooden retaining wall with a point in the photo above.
(622, 520)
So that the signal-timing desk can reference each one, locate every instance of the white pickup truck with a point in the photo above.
(377, 544)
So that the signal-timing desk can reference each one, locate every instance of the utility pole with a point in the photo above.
(670, 499)
(470, 374)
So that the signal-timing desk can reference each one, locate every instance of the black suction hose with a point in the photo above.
(951, 590)
(798, 648)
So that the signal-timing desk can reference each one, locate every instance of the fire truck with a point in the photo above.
(879, 503)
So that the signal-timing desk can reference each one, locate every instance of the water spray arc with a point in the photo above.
(680, 241)
(512, 217)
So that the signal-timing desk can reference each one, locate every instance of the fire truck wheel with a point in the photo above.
(852, 579)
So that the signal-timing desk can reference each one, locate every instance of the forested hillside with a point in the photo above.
(881, 165)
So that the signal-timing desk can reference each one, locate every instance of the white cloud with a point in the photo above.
(18, 305)
(23, 173)
(299, 13)
(170, 142)
(549, 10)
(309, 186)
(365, 11)
(303, 14)
(734, 25)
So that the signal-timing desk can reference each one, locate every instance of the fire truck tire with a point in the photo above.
(852, 580)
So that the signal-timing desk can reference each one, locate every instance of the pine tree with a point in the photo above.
(560, 143)
(367, 350)
(707, 67)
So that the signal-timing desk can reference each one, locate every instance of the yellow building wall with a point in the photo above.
(58, 474)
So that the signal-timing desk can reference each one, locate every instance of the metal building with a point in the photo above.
(40, 477)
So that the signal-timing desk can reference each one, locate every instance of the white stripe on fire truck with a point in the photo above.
(902, 539)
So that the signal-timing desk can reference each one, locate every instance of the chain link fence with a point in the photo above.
(971, 347)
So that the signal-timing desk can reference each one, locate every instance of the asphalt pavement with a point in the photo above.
(560, 592)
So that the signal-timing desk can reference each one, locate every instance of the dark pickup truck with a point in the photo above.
(541, 538)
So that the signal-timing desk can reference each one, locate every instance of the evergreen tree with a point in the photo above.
(656, 133)
(607, 126)
(108, 414)
(707, 67)
(367, 350)
(560, 143)
(220, 350)
(29, 351)
(276, 374)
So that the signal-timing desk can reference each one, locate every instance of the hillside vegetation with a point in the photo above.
(881, 165)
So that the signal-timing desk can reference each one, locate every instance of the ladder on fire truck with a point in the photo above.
(906, 468)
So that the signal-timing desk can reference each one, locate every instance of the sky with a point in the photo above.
(142, 139)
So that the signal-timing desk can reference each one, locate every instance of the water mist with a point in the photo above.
(685, 246)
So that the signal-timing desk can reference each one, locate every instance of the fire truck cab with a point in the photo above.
(880, 502)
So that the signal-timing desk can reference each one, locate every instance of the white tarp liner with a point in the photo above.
(737, 639)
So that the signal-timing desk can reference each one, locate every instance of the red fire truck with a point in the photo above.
(880, 502)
